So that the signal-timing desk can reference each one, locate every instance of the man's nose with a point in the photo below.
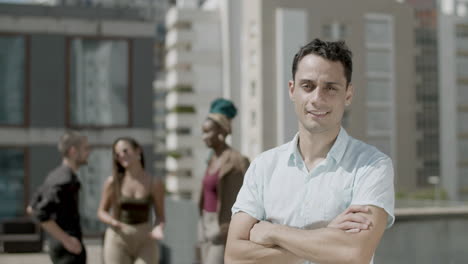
(318, 94)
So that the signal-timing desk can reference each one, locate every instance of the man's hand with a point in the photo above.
(350, 221)
(260, 234)
(72, 245)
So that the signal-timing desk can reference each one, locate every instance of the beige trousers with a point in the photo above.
(130, 244)
(211, 244)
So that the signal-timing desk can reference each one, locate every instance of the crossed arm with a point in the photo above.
(351, 237)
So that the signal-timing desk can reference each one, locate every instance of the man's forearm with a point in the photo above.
(244, 251)
(325, 245)
(54, 230)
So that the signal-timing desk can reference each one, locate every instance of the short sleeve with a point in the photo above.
(45, 203)
(249, 200)
(374, 186)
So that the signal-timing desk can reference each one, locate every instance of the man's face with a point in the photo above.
(83, 151)
(319, 94)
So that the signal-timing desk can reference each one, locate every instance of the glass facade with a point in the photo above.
(427, 89)
(92, 177)
(378, 61)
(463, 123)
(378, 120)
(99, 75)
(378, 90)
(461, 32)
(463, 150)
(12, 179)
(380, 73)
(378, 31)
(12, 80)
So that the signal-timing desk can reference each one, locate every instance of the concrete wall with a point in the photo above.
(180, 232)
(428, 239)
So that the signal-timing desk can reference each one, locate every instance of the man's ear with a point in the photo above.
(291, 90)
(349, 94)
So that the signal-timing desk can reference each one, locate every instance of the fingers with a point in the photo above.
(352, 225)
(351, 221)
(355, 218)
(357, 209)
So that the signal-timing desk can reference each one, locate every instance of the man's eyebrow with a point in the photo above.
(333, 83)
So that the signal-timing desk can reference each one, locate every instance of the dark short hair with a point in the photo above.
(330, 50)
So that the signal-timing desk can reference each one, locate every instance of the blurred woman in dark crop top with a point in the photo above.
(127, 198)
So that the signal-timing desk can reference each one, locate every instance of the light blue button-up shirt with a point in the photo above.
(278, 187)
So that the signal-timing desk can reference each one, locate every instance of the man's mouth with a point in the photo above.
(317, 114)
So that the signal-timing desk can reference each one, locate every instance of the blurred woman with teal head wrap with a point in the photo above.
(222, 181)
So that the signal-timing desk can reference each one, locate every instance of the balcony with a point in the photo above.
(183, 17)
(178, 59)
(174, 141)
(182, 59)
(174, 99)
(177, 37)
(176, 164)
(177, 184)
(175, 120)
(178, 77)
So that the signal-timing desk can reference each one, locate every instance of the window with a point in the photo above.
(12, 80)
(253, 29)
(253, 118)
(462, 66)
(378, 120)
(334, 31)
(253, 57)
(378, 61)
(462, 36)
(463, 122)
(378, 90)
(12, 182)
(463, 173)
(378, 31)
(253, 87)
(462, 94)
(461, 9)
(463, 149)
(380, 75)
(92, 178)
(99, 82)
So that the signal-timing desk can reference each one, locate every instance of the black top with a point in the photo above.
(134, 210)
(57, 199)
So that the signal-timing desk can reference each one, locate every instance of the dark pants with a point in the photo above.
(60, 255)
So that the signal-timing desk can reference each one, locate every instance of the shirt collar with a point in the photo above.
(336, 152)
